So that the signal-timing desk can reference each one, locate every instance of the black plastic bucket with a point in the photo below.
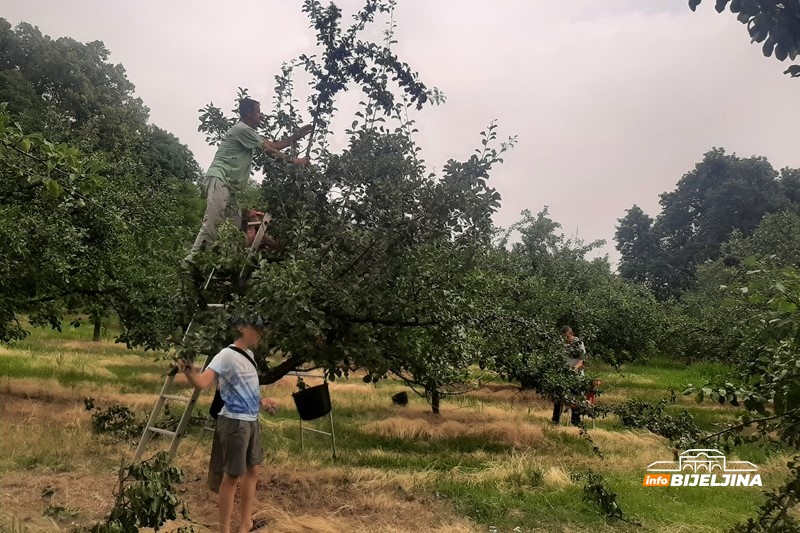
(313, 402)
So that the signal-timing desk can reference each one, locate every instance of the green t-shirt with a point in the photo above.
(234, 156)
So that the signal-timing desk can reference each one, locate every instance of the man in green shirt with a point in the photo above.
(229, 173)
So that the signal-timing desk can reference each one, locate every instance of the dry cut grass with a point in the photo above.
(505, 431)
(492, 424)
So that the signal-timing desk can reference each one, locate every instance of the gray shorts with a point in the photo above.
(236, 446)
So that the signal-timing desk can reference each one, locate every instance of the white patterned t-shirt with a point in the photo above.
(237, 380)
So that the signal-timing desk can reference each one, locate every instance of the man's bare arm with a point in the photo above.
(277, 154)
(278, 145)
(290, 140)
(199, 380)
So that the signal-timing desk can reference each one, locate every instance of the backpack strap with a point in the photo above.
(239, 350)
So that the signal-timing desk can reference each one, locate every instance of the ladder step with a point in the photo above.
(177, 398)
(160, 431)
(215, 305)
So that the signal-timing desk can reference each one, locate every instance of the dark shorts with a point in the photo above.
(236, 446)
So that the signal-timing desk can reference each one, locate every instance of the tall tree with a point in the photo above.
(70, 90)
(637, 246)
(722, 194)
(121, 236)
(380, 265)
(43, 187)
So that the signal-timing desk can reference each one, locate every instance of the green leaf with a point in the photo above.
(55, 189)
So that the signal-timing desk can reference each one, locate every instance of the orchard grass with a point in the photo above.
(492, 458)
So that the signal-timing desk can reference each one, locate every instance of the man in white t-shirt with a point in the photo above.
(236, 453)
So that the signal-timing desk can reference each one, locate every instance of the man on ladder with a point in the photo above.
(236, 454)
(230, 171)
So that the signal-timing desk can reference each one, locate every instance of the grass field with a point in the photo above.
(490, 462)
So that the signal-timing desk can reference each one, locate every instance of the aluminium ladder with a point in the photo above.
(150, 429)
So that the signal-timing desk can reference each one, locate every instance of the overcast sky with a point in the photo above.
(612, 100)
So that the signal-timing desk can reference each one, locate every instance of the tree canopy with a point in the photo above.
(88, 189)
(723, 194)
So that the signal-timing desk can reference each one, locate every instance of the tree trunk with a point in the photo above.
(435, 400)
(96, 319)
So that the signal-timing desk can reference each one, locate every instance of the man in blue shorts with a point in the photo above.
(237, 453)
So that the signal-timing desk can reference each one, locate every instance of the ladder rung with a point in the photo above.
(215, 305)
(160, 431)
(177, 398)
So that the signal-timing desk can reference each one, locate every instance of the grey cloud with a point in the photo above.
(612, 101)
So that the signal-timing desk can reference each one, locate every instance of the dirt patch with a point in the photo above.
(293, 497)
(28, 496)
(303, 498)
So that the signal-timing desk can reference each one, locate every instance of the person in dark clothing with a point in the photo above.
(574, 354)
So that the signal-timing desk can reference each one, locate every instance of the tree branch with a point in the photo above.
(284, 367)
(82, 292)
(31, 156)
(741, 426)
(416, 323)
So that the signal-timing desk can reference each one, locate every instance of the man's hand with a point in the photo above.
(188, 370)
(269, 406)
(302, 132)
(185, 366)
(301, 161)
(199, 379)
(578, 365)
